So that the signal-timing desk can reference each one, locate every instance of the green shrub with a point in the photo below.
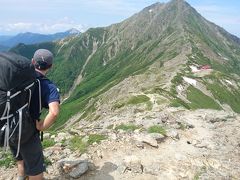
(157, 129)
(118, 105)
(7, 160)
(138, 99)
(96, 138)
(76, 142)
(177, 79)
(127, 127)
(149, 105)
(135, 100)
(48, 143)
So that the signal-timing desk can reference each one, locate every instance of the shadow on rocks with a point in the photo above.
(101, 174)
(94, 173)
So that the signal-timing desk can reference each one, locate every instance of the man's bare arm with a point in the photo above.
(50, 118)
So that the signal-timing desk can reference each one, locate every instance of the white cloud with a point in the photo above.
(45, 28)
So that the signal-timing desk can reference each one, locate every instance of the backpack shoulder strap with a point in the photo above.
(39, 79)
(42, 78)
(39, 94)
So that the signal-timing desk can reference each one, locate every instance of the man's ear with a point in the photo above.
(33, 61)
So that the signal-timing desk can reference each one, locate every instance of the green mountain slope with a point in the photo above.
(148, 56)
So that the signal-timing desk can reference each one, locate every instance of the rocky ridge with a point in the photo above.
(201, 144)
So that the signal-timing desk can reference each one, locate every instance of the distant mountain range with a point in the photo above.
(3, 48)
(7, 42)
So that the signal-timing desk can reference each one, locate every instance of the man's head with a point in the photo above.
(42, 59)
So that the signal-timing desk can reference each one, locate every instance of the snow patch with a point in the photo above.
(229, 82)
(150, 10)
(180, 88)
(190, 81)
(194, 69)
(74, 31)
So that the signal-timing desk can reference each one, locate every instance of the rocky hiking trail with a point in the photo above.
(201, 144)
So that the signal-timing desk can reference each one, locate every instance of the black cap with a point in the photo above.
(43, 56)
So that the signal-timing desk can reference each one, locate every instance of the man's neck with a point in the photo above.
(43, 72)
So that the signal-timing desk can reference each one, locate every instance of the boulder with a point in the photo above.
(133, 164)
(158, 137)
(72, 168)
(60, 137)
(46, 135)
(147, 138)
(173, 134)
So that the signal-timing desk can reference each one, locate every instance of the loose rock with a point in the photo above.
(74, 169)
(133, 164)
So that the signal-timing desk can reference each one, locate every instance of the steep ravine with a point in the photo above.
(78, 80)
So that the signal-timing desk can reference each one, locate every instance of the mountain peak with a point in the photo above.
(157, 18)
(155, 5)
(158, 4)
(73, 31)
(177, 2)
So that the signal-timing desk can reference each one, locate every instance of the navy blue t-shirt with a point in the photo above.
(49, 93)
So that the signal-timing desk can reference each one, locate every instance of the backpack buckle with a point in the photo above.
(8, 96)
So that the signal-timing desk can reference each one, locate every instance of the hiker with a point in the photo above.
(30, 161)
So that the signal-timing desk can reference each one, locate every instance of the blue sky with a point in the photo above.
(50, 16)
